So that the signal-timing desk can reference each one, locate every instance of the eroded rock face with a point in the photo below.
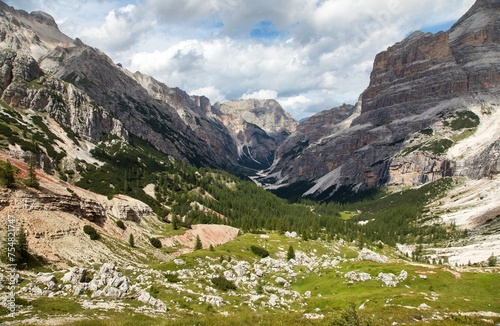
(414, 86)
(38, 201)
(258, 126)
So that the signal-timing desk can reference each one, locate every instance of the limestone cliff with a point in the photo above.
(428, 96)
(258, 126)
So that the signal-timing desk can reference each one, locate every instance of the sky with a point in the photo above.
(310, 55)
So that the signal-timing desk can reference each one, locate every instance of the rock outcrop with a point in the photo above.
(86, 92)
(39, 201)
(408, 118)
(258, 126)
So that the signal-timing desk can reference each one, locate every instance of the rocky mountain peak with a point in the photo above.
(44, 18)
(413, 112)
(268, 114)
(259, 127)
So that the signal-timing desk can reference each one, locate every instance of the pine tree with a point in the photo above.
(175, 222)
(211, 248)
(198, 244)
(6, 174)
(291, 253)
(32, 180)
(131, 241)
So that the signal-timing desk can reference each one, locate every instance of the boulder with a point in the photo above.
(357, 276)
(367, 254)
(75, 275)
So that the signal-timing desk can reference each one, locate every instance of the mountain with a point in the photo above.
(187, 127)
(431, 110)
(258, 126)
(110, 217)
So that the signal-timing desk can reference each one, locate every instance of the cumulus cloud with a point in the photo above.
(262, 94)
(123, 27)
(211, 92)
(311, 55)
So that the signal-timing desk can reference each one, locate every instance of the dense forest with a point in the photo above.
(191, 195)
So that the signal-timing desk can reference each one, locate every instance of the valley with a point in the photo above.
(124, 201)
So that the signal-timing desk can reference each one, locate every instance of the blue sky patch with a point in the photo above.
(265, 30)
(438, 27)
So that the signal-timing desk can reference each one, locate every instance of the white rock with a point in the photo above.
(273, 300)
(357, 276)
(75, 275)
(367, 254)
(388, 279)
(313, 316)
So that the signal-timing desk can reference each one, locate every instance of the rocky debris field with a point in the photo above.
(321, 272)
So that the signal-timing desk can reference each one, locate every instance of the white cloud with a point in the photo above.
(122, 29)
(211, 92)
(318, 54)
(262, 94)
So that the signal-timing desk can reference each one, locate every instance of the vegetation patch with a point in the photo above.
(261, 252)
(223, 284)
(464, 120)
(91, 231)
(437, 147)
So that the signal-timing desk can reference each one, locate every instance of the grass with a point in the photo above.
(331, 293)
(347, 215)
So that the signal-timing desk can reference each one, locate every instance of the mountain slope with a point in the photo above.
(427, 95)
(187, 127)
(258, 126)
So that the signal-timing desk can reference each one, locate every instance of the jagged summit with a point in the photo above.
(411, 117)
(186, 127)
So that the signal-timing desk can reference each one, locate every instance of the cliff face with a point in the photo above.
(258, 126)
(427, 96)
(187, 127)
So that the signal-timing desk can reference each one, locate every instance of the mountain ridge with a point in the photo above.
(187, 127)
(420, 85)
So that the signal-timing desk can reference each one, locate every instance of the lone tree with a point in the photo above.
(492, 261)
(198, 245)
(6, 174)
(175, 222)
(291, 253)
(131, 240)
(32, 180)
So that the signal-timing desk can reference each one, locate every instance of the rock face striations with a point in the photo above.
(431, 109)
(258, 126)
(429, 96)
(187, 127)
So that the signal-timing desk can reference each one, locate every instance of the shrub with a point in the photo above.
(172, 278)
(120, 224)
(492, 261)
(198, 245)
(223, 284)
(131, 241)
(291, 253)
(259, 251)
(88, 229)
(155, 242)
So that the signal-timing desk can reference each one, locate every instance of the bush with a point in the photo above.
(131, 240)
(88, 229)
(291, 253)
(223, 284)
(155, 242)
(120, 224)
(172, 278)
(259, 251)
(492, 261)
